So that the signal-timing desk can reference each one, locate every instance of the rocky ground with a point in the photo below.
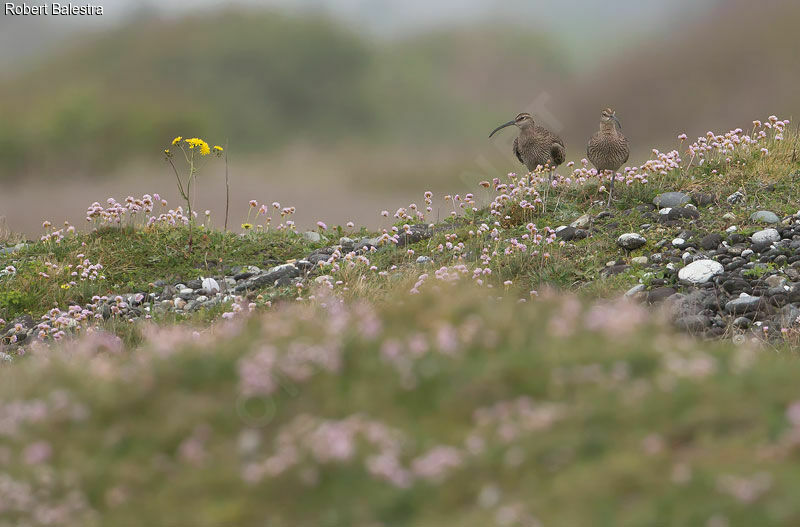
(715, 284)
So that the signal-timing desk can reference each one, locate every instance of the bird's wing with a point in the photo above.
(627, 151)
(558, 151)
(516, 150)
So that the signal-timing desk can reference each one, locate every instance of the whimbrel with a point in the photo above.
(608, 148)
(535, 145)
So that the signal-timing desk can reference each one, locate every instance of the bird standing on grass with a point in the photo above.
(535, 146)
(608, 148)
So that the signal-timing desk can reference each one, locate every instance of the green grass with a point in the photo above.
(133, 259)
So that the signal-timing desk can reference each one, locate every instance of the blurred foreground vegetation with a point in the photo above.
(445, 408)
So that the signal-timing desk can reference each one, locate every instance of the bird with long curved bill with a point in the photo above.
(535, 146)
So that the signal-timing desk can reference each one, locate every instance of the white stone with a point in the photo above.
(677, 242)
(582, 222)
(312, 236)
(209, 284)
(766, 236)
(700, 272)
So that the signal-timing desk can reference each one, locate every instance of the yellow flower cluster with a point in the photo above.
(200, 145)
(177, 140)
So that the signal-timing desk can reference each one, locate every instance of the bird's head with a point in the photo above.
(609, 117)
(522, 120)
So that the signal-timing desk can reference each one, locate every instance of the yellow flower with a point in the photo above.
(247, 226)
(218, 148)
(200, 144)
(177, 140)
(166, 151)
(65, 286)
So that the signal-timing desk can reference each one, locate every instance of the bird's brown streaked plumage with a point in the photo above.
(608, 148)
(535, 145)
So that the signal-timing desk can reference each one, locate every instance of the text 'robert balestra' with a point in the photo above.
(52, 9)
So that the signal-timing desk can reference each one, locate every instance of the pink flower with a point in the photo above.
(37, 453)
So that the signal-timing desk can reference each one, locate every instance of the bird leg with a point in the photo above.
(611, 188)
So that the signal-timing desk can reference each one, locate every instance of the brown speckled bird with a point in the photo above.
(608, 148)
(535, 145)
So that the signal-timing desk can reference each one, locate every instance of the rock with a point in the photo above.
(210, 285)
(678, 213)
(194, 284)
(631, 241)
(566, 233)
(179, 303)
(700, 272)
(11, 250)
(366, 244)
(612, 270)
(744, 304)
(312, 236)
(670, 199)
(709, 242)
(775, 281)
(635, 290)
(728, 216)
(582, 222)
(695, 303)
(702, 199)
(735, 198)
(789, 315)
(693, 323)
(659, 294)
(415, 234)
(268, 278)
(765, 236)
(742, 323)
(765, 216)
(640, 260)
(424, 260)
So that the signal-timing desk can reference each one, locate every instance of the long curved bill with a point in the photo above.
(619, 125)
(509, 123)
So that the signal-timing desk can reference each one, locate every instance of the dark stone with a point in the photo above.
(693, 323)
(743, 305)
(614, 270)
(194, 284)
(416, 233)
(710, 241)
(567, 234)
(678, 213)
(760, 247)
(659, 294)
(242, 276)
(702, 199)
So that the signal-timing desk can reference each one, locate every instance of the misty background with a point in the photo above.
(344, 108)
